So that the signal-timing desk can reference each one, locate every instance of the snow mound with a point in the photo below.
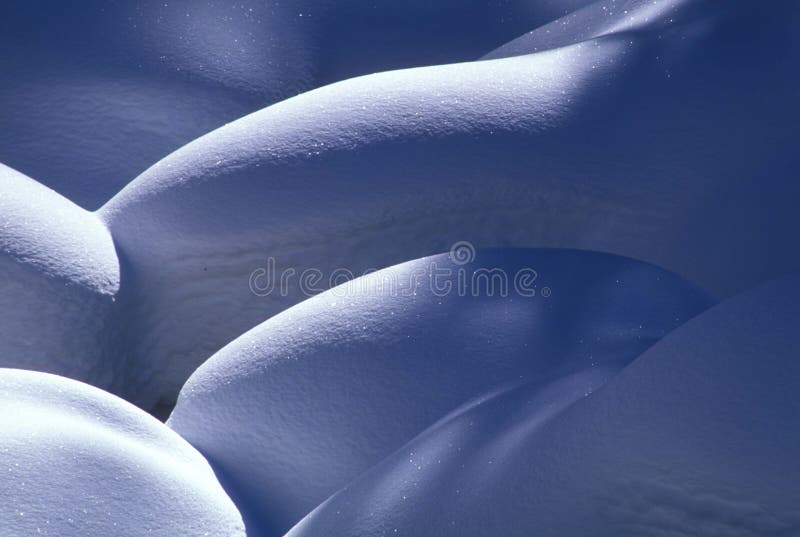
(77, 461)
(296, 408)
(696, 437)
(538, 150)
(94, 93)
(59, 279)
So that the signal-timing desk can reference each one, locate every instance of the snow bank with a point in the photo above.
(299, 406)
(59, 278)
(696, 437)
(546, 150)
(77, 461)
(96, 92)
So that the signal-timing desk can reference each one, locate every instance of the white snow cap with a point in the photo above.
(697, 437)
(79, 462)
(299, 406)
(59, 278)
(540, 150)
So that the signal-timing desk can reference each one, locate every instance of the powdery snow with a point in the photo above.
(77, 462)
(545, 149)
(609, 17)
(60, 279)
(95, 92)
(658, 130)
(299, 406)
(696, 437)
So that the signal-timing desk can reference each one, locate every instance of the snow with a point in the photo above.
(60, 279)
(299, 406)
(695, 437)
(84, 111)
(609, 17)
(537, 150)
(77, 461)
(96, 92)
(629, 158)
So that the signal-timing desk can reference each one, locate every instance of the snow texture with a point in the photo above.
(696, 437)
(619, 154)
(94, 92)
(296, 408)
(79, 462)
(59, 278)
(545, 149)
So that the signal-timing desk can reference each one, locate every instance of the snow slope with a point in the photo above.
(608, 17)
(59, 279)
(78, 462)
(296, 408)
(94, 92)
(697, 437)
(550, 149)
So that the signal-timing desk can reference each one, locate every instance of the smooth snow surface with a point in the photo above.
(299, 406)
(59, 279)
(254, 166)
(608, 17)
(94, 92)
(78, 462)
(549, 149)
(697, 437)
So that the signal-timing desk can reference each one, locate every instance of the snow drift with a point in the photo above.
(696, 437)
(296, 408)
(94, 92)
(78, 462)
(59, 278)
(549, 149)
(547, 391)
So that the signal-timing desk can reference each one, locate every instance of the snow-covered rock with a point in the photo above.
(299, 406)
(550, 149)
(79, 462)
(94, 92)
(697, 437)
(59, 278)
